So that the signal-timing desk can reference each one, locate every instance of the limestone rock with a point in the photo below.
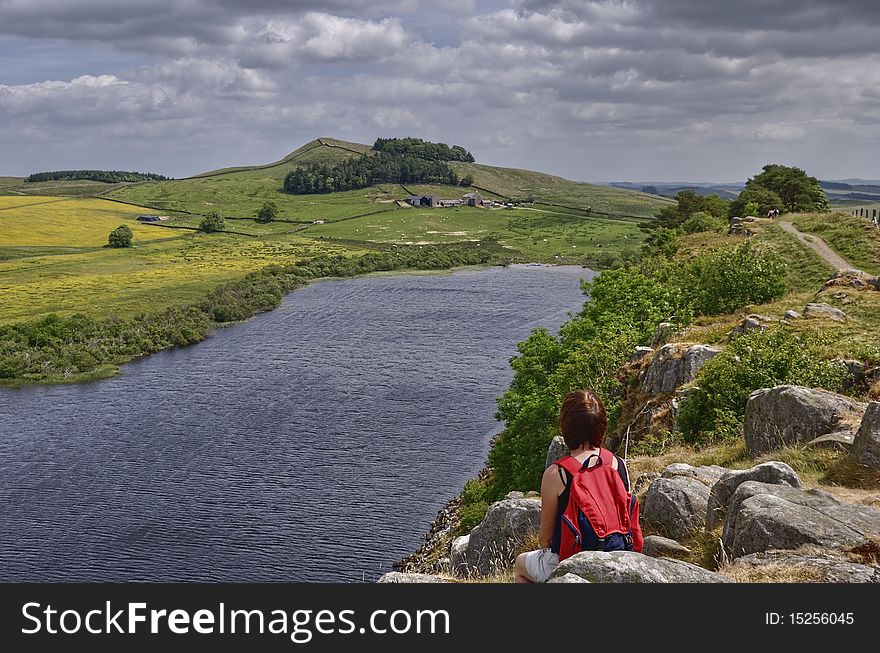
(762, 517)
(631, 567)
(663, 547)
(491, 544)
(789, 414)
(676, 506)
(706, 474)
(568, 578)
(556, 450)
(823, 310)
(400, 577)
(821, 568)
(772, 472)
(866, 446)
(458, 555)
(514, 495)
(674, 365)
(792, 315)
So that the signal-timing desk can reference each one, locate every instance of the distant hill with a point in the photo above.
(321, 149)
(242, 189)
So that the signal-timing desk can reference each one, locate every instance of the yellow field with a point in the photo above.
(53, 222)
(131, 281)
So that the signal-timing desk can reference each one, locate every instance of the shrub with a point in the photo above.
(723, 281)
(474, 504)
(760, 359)
(700, 221)
(268, 212)
(213, 222)
(121, 236)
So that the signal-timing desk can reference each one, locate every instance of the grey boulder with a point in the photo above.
(674, 365)
(866, 445)
(676, 507)
(631, 567)
(823, 310)
(773, 472)
(568, 578)
(556, 450)
(490, 545)
(663, 547)
(803, 567)
(400, 577)
(762, 517)
(791, 414)
(706, 474)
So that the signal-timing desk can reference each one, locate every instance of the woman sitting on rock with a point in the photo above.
(586, 503)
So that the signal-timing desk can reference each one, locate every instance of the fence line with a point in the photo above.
(870, 214)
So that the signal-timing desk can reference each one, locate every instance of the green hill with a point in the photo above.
(241, 190)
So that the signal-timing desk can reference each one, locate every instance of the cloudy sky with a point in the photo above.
(661, 90)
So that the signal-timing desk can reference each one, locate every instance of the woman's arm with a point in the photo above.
(551, 487)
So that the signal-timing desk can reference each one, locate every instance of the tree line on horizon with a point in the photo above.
(107, 176)
(397, 161)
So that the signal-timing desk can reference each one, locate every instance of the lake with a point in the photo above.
(313, 443)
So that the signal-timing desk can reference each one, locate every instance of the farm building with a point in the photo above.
(423, 200)
(472, 199)
(451, 202)
(153, 218)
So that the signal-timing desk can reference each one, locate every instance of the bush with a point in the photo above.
(121, 236)
(723, 281)
(474, 505)
(760, 359)
(700, 221)
(268, 212)
(213, 222)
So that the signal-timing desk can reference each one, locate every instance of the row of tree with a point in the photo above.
(780, 187)
(108, 176)
(362, 172)
(423, 149)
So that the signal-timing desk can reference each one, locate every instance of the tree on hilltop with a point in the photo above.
(795, 189)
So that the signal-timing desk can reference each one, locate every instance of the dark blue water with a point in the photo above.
(313, 443)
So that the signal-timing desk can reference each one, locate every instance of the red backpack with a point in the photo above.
(601, 515)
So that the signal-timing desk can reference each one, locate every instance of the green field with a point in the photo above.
(53, 256)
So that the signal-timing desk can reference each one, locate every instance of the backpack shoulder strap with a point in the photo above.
(569, 464)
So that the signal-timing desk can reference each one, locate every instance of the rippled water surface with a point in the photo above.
(313, 443)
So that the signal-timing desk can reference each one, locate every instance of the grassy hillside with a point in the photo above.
(523, 184)
(53, 259)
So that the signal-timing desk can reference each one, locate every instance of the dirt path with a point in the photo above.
(819, 246)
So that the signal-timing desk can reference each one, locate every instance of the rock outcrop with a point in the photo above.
(491, 544)
(568, 578)
(631, 567)
(401, 577)
(772, 472)
(676, 507)
(673, 365)
(789, 414)
(762, 517)
(794, 566)
(753, 322)
(866, 445)
(662, 547)
(706, 474)
(825, 311)
(556, 450)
